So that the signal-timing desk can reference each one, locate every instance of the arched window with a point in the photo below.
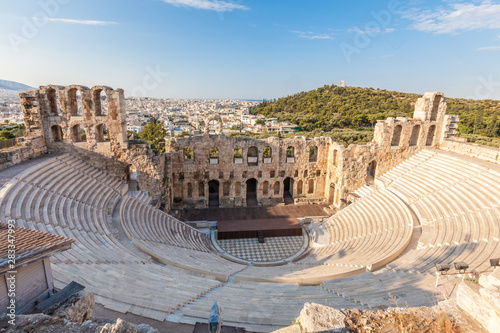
(52, 99)
(265, 188)
(415, 133)
(238, 155)
(290, 155)
(299, 187)
(225, 189)
(189, 190)
(305, 173)
(430, 135)
(267, 154)
(100, 99)
(370, 169)
(213, 154)
(277, 188)
(188, 153)
(311, 186)
(313, 154)
(201, 189)
(334, 157)
(78, 133)
(237, 189)
(102, 133)
(396, 136)
(57, 133)
(253, 156)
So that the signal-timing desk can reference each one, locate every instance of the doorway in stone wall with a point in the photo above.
(252, 193)
(213, 193)
(288, 191)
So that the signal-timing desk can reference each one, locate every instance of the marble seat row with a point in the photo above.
(457, 204)
(144, 222)
(147, 290)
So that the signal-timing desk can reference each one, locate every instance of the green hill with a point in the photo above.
(332, 107)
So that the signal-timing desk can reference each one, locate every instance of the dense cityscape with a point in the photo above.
(180, 117)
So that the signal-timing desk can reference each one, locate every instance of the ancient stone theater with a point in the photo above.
(261, 226)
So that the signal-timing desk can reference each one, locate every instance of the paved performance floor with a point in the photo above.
(274, 248)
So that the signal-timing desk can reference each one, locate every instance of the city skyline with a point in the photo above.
(203, 49)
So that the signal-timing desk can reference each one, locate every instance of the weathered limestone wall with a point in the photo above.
(55, 114)
(490, 154)
(191, 177)
(26, 150)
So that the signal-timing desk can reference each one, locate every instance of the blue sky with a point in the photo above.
(253, 49)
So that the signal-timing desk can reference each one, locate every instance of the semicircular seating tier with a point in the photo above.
(457, 201)
(445, 206)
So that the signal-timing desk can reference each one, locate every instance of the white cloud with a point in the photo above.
(85, 22)
(460, 17)
(369, 31)
(489, 48)
(312, 35)
(215, 5)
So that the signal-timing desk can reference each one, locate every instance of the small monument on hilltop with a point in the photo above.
(342, 83)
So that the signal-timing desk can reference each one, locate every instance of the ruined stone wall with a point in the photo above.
(26, 149)
(55, 114)
(191, 176)
(490, 154)
(318, 170)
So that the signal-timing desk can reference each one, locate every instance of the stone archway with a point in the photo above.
(288, 190)
(213, 193)
(252, 192)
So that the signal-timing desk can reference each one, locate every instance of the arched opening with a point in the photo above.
(100, 99)
(201, 189)
(435, 108)
(52, 97)
(225, 189)
(267, 154)
(188, 153)
(253, 156)
(311, 186)
(313, 154)
(277, 188)
(265, 188)
(238, 155)
(78, 133)
(306, 173)
(102, 133)
(79, 109)
(213, 193)
(415, 133)
(299, 187)
(290, 155)
(213, 154)
(237, 189)
(57, 133)
(189, 190)
(252, 192)
(396, 136)
(334, 158)
(430, 135)
(331, 193)
(103, 100)
(370, 172)
(288, 190)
